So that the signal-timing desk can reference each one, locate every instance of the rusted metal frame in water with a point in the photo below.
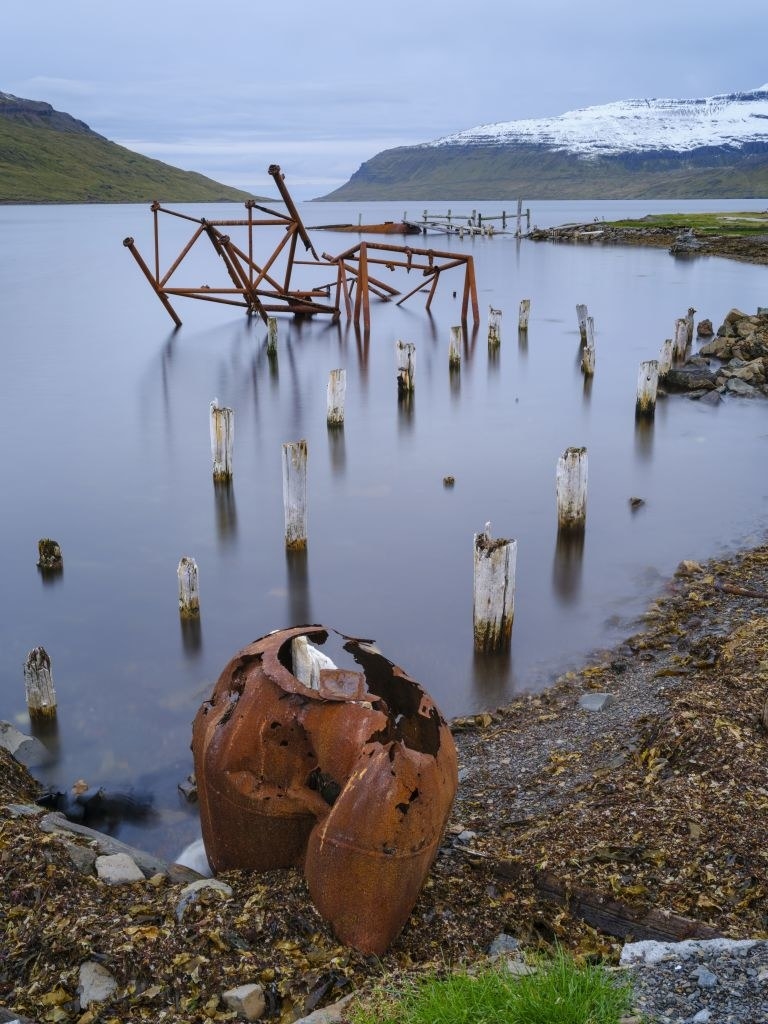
(129, 244)
(279, 180)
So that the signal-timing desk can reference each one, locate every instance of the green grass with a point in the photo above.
(737, 225)
(559, 992)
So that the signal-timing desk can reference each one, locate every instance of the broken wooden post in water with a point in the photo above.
(571, 489)
(337, 389)
(189, 589)
(581, 313)
(405, 353)
(588, 360)
(295, 494)
(689, 322)
(681, 337)
(494, 327)
(525, 309)
(665, 357)
(647, 387)
(272, 336)
(222, 439)
(38, 682)
(49, 557)
(493, 608)
(454, 349)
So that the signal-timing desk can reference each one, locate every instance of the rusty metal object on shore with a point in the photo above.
(349, 775)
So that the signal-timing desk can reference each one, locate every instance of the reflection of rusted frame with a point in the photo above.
(257, 288)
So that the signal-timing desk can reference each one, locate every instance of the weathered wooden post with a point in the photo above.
(581, 313)
(525, 309)
(493, 607)
(49, 557)
(665, 357)
(38, 683)
(405, 354)
(295, 494)
(588, 360)
(681, 337)
(571, 489)
(518, 229)
(454, 349)
(689, 323)
(337, 389)
(189, 588)
(272, 336)
(647, 386)
(494, 327)
(222, 439)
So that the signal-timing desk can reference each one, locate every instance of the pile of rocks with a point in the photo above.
(735, 362)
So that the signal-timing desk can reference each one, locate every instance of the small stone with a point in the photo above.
(466, 836)
(96, 984)
(332, 1014)
(190, 893)
(688, 568)
(517, 968)
(705, 329)
(118, 869)
(449, 481)
(596, 701)
(701, 1017)
(188, 789)
(503, 943)
(247, 1001)
(705, 978)
(635, 503)
(83, 857)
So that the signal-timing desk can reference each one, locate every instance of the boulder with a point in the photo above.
(27, 750)
(705, 329)
(247, 1001)
(689, 378)
(96, 984)
(118, 869)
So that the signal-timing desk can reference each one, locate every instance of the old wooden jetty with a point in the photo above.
(388, 227)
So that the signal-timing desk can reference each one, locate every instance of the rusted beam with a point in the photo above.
(279, 179)
(129, 244)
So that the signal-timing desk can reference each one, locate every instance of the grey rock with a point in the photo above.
(705, 978)
(118, 869)
(27, 750)
(247, 1001)
(190, 893)
(711, 398)
(466, 836)
(327, 1014)
(96, 984)
(503, 943)
(83, 857)
(736, 386)
(689, 378)
(596, 701)
(702, 1017)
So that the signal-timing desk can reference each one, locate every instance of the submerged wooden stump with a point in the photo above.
(647, 387)
(272, 336)
(525, 311)
(222, 440)
(454, 348)
(493, 607)
(571, 489)
(666, 357)
(581, 315)
(494, 327)
(189, 590)
(336, 392)
(295, 493)
(38, 682)
(405, 354)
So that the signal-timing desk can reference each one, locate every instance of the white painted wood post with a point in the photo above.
(49, 557)
(189, 588)
(454, 348)
(689, 322)
(38, 683)
(222, 440)
(665, 357)
(271, 335)
(525, 310)
(681, 337)
(494, 327)
(337, 389)
(571, 489)
(405, 354)
(647, 386)
(493, 608)
(295, 493)
(581, 313)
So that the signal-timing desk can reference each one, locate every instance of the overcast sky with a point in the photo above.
(228, 87)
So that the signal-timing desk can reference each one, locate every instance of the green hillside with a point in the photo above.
(534, 172)
(50, 158)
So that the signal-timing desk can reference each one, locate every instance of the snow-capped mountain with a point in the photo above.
(633, 126)
(631, 149)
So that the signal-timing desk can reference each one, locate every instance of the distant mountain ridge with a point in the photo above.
(48, 156)
(641, 148)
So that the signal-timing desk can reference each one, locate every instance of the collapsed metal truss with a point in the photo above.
(267, 288)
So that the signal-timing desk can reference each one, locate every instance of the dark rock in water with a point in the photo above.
(99, 808)
(689, 378)
(712, 397)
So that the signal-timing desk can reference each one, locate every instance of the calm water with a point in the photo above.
(106, 448)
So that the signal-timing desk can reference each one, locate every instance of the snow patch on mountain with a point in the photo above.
(627, 126)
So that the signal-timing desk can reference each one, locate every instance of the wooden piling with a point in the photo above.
(581, 314)
(454, 348)
(647, 386)
(493, 608)
(689, 323)
(494, 327)
(295, 494)
(525, 310)
(272, 336)
(681, 337)
(571, 489)
(588, 360)
(49, 557)
(189, 588)
(405, 354)
(337, 389)
(38, 683)
(665, 357)
(222, 440)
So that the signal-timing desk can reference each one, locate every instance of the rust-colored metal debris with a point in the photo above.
(352, 780)
(269, 287)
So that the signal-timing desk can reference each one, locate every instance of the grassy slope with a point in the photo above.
(41, 165)
(499, 172)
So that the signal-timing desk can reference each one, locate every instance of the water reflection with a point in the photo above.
(47, 731)
(567, 565)
(299, 603)
(226, 511)
(406, 408)
(191, 635)
(644, 425)
(454, 380)
(337, 450)
(522, 341)
(492, 674)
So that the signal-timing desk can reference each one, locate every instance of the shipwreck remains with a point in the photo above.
(349, 775)
(268, 287)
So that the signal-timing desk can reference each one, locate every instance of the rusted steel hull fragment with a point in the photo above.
(352, 781)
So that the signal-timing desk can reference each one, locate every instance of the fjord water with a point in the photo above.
(106, 449)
